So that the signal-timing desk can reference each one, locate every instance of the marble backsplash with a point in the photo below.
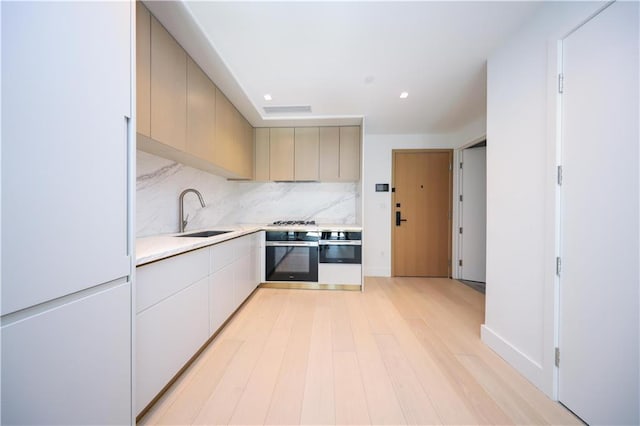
(160, 181)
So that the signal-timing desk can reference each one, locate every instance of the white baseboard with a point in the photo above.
(377, 272)
(526, 366)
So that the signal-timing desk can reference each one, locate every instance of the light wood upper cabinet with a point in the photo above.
(306, 153)
(349, 153)
(201, 112)
(329, 154)
(224, 130)
(261, 149)
(281, 154)
(168, 88)
(182, 115)
(234, 139)
(246, 149)
(143, 69)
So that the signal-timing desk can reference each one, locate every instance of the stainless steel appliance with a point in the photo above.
(294, 222)
(291, 256)
(340, 247)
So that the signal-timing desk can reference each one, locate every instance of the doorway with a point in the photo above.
(597, 354)
(472, 208)
(421, 218)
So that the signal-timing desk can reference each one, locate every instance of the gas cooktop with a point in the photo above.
(293, 222)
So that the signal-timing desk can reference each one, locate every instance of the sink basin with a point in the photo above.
(203, 234)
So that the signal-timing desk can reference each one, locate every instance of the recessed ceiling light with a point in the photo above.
(267, 97)
(404, 95)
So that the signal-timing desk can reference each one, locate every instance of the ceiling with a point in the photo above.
(348, 60)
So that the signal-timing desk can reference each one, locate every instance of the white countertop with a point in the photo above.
(150, 249)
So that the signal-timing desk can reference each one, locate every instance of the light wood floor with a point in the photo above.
(406, 351)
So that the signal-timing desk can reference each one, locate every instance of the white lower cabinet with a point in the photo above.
(184, 300)
(168, 335)
(340, 273)
(70, 364)
(221, 297)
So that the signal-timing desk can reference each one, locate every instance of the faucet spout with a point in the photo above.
(182, 221)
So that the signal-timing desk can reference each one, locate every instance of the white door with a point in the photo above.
(71, 364)
(598, 372)
(474, 214)
(66, 95)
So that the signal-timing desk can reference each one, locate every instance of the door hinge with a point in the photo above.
(557, 357)
(558, 266)
(560, 83)
(460, 197)
(450, 167)
(560, 175)
(461, 229)
(460, 262)
(461, 164)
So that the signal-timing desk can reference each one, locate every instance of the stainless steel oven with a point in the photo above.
(291, 256)
(341, 247)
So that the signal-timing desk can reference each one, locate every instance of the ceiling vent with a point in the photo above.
(287, 109)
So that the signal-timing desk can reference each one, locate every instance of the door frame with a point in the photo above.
(392, 205)
(550, 383)
(458, 158)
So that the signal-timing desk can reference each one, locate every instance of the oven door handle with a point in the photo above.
(291, 244)
(340, 243)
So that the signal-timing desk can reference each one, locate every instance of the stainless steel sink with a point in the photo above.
(203, 234)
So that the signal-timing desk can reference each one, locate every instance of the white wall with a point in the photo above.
(520, 298)
(377, 205)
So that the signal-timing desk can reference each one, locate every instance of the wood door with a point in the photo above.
(421, 241)
(598, 333)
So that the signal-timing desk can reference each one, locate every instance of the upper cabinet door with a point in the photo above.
(66, 98)
(168, 88)
(201, 113)
(226, 132)
(281, 154)
(329, 154)
(350, 153)
(143, 69)
(306, 153)
(246, 171)
(261, 149)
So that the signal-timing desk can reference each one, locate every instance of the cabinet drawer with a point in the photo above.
(337, 273)
(224, 254)
(168, 334)
(159, 280)
(221, 297)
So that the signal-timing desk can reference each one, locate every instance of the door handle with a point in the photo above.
(399, 218)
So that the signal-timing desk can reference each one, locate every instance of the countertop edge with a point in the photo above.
(164, 246)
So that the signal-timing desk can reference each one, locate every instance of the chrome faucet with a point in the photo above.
(183, 220)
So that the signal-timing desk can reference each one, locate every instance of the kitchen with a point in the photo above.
(81, 296)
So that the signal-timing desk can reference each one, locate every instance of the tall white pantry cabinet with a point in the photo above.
(67, 245)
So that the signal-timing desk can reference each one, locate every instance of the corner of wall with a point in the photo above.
(526, 366)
